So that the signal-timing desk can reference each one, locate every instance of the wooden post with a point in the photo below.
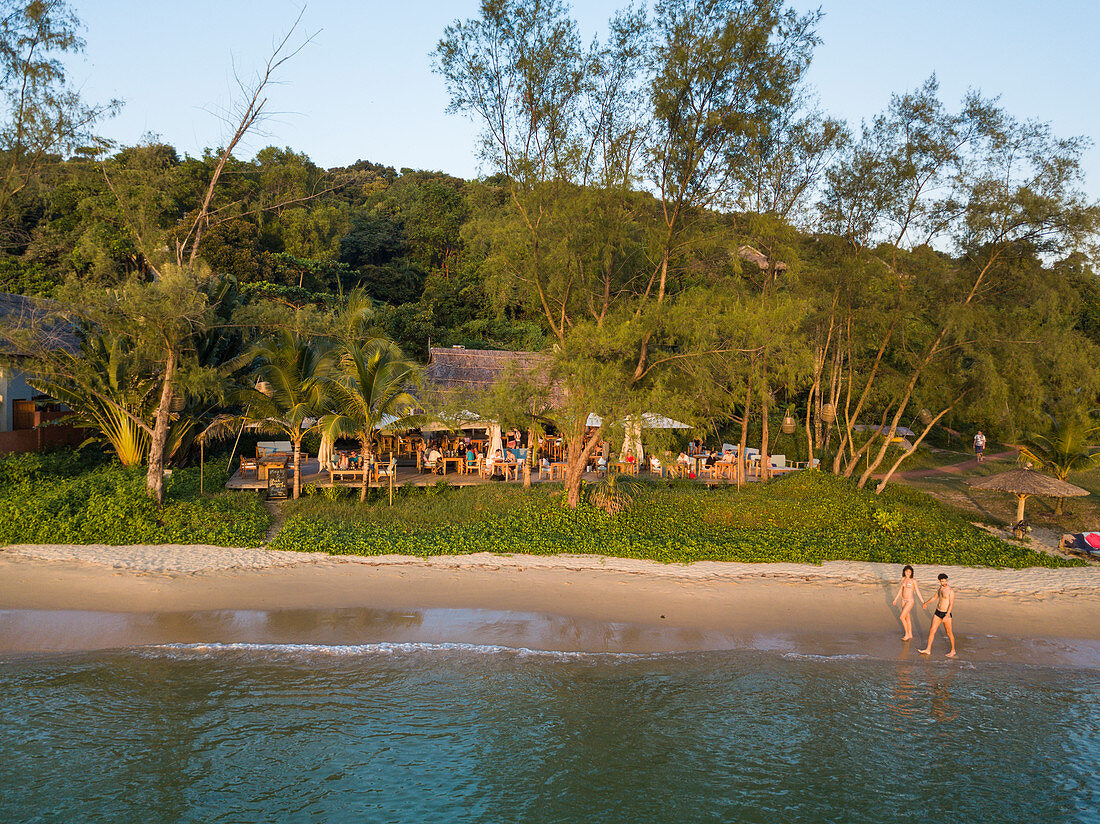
(202, 462)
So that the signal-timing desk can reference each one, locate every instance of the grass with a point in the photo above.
(806, 517)
(79, 497)
(999, 508)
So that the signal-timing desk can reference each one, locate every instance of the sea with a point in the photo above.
(431, 731)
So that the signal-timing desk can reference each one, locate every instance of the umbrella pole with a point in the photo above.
(202, 462)
(1020, 508)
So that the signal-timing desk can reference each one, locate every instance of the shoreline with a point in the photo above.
(88, 597)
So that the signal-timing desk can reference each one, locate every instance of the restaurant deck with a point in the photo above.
(312, 474)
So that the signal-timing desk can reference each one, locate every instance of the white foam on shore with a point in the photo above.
(188, 651)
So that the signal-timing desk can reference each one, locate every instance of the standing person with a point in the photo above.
(906, 592)
(945, 603)
(979, 445)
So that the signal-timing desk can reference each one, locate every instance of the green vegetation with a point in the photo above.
(77, 498)
(667, 219)
(806, 517)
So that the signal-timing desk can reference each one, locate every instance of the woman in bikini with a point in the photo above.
(905, 594)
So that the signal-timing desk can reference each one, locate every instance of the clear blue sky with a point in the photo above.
(365, 90)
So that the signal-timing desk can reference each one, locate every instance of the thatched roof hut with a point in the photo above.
(754, 255)
(1026, 482)
(478, 369)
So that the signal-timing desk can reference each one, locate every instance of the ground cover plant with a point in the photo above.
(805, 517)
(81, 498)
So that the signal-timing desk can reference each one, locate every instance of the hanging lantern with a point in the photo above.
(264, 388)
(176, 404)
(828, 413)
(789, 424)
(925, 417)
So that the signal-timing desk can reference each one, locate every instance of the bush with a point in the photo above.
(806, 517)
(72, 498)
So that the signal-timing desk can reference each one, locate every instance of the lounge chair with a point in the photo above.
(1084, 542)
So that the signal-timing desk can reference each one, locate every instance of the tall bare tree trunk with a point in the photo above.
(741, 464)
(765, 456)
(297, 467)
(889, 474)
(154, 476)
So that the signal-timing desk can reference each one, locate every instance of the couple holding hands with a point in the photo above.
(945, 598)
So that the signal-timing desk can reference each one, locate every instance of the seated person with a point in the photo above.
(728, 456)
(471, 456)
(434, 458)
(343, 464)
(683, 459)
(654, 464)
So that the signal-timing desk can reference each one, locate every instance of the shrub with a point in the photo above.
(67, 497)
(806, 517)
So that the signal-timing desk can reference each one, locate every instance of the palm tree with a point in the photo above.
(370, 395)
(294, 373)
(1066, 448)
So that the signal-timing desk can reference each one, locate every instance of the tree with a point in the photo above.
(572, 131)
(1066, 447)
(977, 179)
(44, 117)
(293, 375)
(370, 395)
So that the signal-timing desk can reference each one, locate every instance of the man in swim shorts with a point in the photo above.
(945, 603)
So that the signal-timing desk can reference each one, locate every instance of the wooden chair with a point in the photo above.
(546, 469)
(557, 470)
(388, 471)
(249, 465)
(472, 466)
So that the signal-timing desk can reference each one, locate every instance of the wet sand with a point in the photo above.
(76, 598)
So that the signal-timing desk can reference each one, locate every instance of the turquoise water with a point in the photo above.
(457, 733)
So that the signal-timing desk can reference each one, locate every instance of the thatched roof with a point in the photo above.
(1029, 482)
(25, 316)
(478, 369)
(754, 255)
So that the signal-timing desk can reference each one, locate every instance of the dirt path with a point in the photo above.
(952, 469)
(277, 518)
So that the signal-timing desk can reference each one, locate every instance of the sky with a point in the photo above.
(364, 89)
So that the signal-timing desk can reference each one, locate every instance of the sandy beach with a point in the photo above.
(80, 597)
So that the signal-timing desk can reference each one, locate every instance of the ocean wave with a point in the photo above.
(359, 650)
(816, 656)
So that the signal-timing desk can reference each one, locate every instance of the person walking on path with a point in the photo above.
(945, 604)
(979, 445)
(906, 592)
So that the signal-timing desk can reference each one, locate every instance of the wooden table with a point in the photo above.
(335, 475)
(459, 461)
(506, 468)
(726, 469)
(265, 464)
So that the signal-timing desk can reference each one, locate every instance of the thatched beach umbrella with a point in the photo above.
(1026, 482)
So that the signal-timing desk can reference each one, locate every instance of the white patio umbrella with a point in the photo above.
(495, 444)
(653, 421)
(632, 441)
(324, 452)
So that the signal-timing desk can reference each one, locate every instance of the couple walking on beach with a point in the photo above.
(945, 603)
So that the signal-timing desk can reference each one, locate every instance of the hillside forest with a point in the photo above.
(666, 213)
